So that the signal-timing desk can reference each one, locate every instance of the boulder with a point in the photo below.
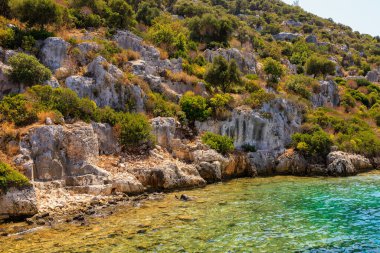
(18, 202)
(292, 23)
(344, 164)
(239, 165)
(168, 176)
(209, 164)
(245, 60)
(83, 52)
(312, 39)
(372, 76)
(53, 52)
(127, 183)
(285, 36)
(264, 161)
(291, 163)
(6, 85)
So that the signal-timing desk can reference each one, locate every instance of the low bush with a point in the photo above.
(17, 109)
(28, 70)
(11, 178)
(258, 98)
(159, 107)
(222, 144)
(301, 85)
(195, 107)
(314, 143)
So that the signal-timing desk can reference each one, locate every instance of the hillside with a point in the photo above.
(128, 96)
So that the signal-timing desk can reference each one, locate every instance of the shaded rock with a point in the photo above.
(312, 39)
(327, 96)
(372, 76)
(287, 36)
(18, 202)
(239, 165)
(264, 161)
(54, 52)
(107, 139)
(164, 130)
(291, 163)
(245, 60)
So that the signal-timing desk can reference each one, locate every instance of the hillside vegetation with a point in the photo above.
(294, 50)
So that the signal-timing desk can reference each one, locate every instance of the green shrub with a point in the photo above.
(120, 15)
(314, 143)
(223, 74)
(273, 69)
(11, 178)
(15, 109)
(147, 12)
(319, 66)
(37, 12)
(195, 107)
(135, 131)
(221, 144)
(300, 85)
(159, 107)
(221, 106)
(258, 98)
(7, 38)
(28, 70)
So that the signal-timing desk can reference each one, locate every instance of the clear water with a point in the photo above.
(280, 214)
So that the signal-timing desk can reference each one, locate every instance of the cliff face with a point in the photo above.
(268, 128)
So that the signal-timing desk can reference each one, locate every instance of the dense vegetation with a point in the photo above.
(11, 178)
(183, 28)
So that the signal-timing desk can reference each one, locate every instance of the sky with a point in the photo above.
(362, 16)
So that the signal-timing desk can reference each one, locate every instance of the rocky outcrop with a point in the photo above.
(373, 76)
(238, 166)
(18, 202)
(107, 139)
(268, 128)
(291, 163)
(164, 130)
(6, 85)
(245, 60)
(210, 164)
(285, 36)
(54, 52)
(107, 87)
(344, 164)
(82, 52)
(168, 176)
(328, 95)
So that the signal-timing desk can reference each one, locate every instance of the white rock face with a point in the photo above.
(245, 60)
(18, 202)
(6, 85)
(269, 128)
(328, 95)
(54, 52)
(106, 87)
(164, 130)
(287, 36)
(345, 164)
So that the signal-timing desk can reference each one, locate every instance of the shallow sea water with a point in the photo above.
(278, 214)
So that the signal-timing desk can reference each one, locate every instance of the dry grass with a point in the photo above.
(142, 84)
(182, 77)
(126, 55)
(163, 54)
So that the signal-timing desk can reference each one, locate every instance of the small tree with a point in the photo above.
(37, 12)
(195, 107)
(223, 74)
(319, 66)
(28, 70)
(121, 15)
(274, 70)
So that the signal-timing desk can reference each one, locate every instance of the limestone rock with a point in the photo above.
(168, 176)
(264, 161)
(54, 52)
(239, 165)
(312, 39)
(18, 202)
(108, 143)
(268, 128)
(328, 95)
(6, 85)
(291, 163)
(127, 184)
(372, 76)
(287, 36)
(245, 60)
(344, 164)
(84, 51)
(164, 130)
(106, 86)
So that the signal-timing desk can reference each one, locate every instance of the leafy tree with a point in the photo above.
(28, 70)
(273, 69)
(301, 53)
(222, 144)
(121, 15)
(319, 66)
(37, 12)
(147, 12)
(223, 74)
(195, 107)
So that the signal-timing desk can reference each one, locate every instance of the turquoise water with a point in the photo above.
(280, 214)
